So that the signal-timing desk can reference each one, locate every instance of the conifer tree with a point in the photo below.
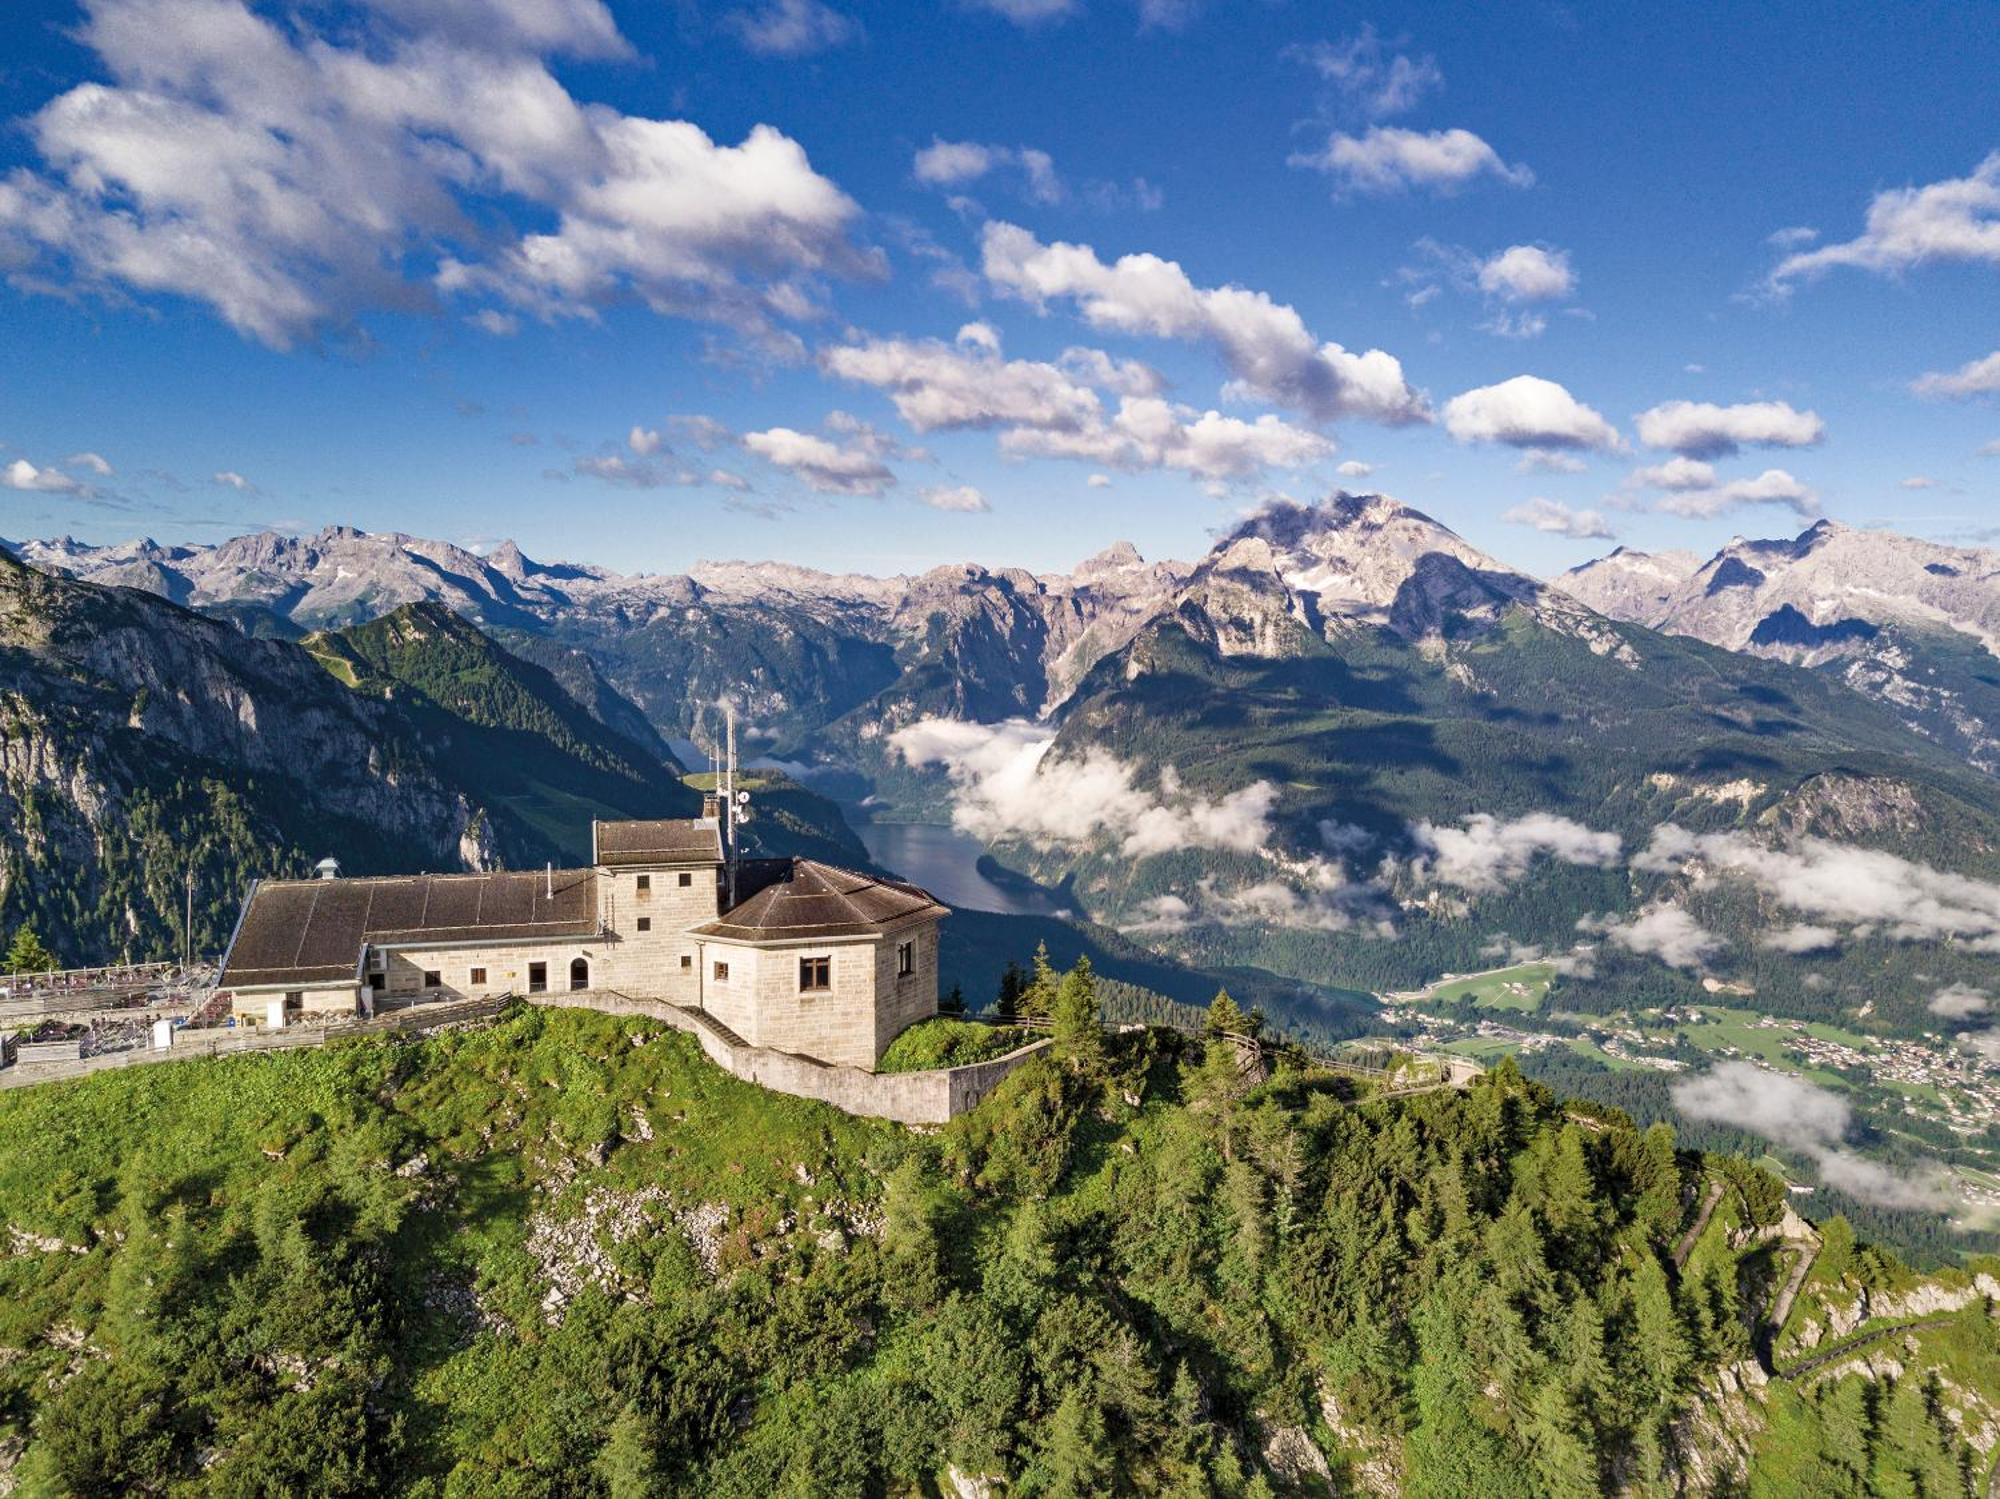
(27, 954)
(1038, 999)
(1075, 1015)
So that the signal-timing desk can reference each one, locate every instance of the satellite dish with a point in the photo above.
(742, 798)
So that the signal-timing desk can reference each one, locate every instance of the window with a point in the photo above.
(906, 959)
(687, 879)
(687, 960)
(538, 978)
(476, 978)
(378, 981)
(645, 923)
(645, 884)
(815, 974)
(722, 973)
(432, 978)
(295, 999)
(579, 974)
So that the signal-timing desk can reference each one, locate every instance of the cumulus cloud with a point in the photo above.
(228, 478)
(1808, 1118)
(1698, 429)
(1772, 487)
(1959, 1002)
(1099, 481)
(1354, 468)
(1675, 473)
(1664, 931)
(1366, 80)
(1488, 854)
(1558, 519)
(1957, 219)
(291, 180)
(946, 163)
(21, 474)
(1265, 344)
(1980, 377)
(1866, 892)
(851, 466)
(1006, 788)
(791, 28)
(1527, 273)
(1390, 159)
(1528, 412)
(1028, 12)
(1056, 411)
(633, 473)
(957, 497)
(643, 440)
(1801, 939)
(97, 463)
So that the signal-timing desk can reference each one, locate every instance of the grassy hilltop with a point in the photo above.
(566, 1256)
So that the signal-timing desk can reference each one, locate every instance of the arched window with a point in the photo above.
(579, 974)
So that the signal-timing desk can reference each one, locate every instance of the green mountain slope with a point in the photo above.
(567, 1257)
(506, 730)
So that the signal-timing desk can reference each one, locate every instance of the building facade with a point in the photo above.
(790, 954)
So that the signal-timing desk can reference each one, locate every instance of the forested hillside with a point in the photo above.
(565, 1256)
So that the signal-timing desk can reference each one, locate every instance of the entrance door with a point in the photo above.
(538, 978)
(579, 974)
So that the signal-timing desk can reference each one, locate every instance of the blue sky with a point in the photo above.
(878, 286)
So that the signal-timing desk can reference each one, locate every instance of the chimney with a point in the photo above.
(327, 868)
(711, 805)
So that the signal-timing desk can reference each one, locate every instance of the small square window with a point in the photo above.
(538, 978)
(722, 973)
(815, 974)
(687, 879)
(476, 978)
(432, 978)
(687, 960)
(645, 883)
(906, 959)
(295, 999)
(645, 923)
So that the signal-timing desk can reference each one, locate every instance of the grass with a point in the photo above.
(944, 1042)
(1521, 987)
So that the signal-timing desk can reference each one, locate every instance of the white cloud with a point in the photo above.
(1099, 481)
(1867, 892)
(1772, 487)
(1801, 939)
(1917, 481)
(1698, 429)
(1527, 273)
(1558, 519)
(1388, 159)
(1487, 854)
(1354, 468)
(705, 432)
(229, 479)
(852, 467)
(1663, 931)
(1542, 461)
(1528, 412)
(959, 497)
(946, 163)
(1954, 220)
(1808, 1118)
(1265, 344)
(791, 28)
(1991, 449)
(1367, 81)
(21, 474)
(1959, 1002)
(1675, 473)
(1028, 12)
(1979, 377)
(643, 441)
(1005, 787)
(1052, 411)
(97, 463)
(291, 180)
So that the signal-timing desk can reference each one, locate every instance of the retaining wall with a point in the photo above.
(933, 1097)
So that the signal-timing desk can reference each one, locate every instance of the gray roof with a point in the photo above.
(312, 931)
(812, 899)
(666, 840)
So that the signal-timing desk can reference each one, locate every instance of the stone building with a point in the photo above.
(789, 954)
